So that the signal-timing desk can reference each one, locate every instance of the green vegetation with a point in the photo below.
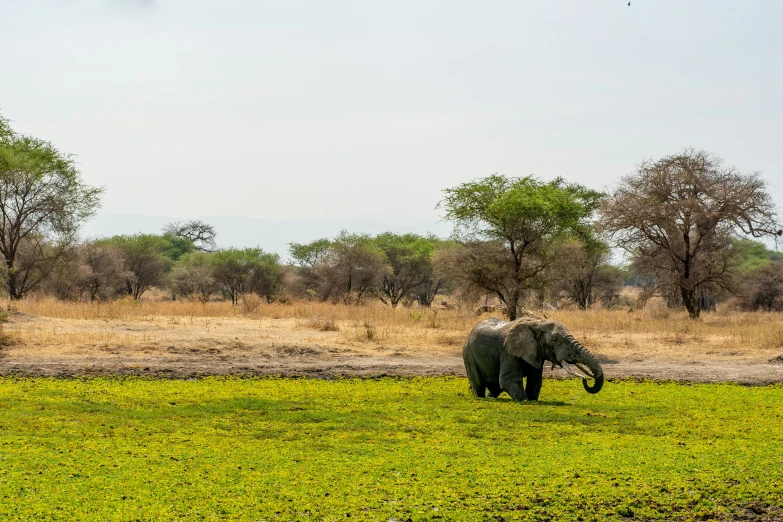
(410, 267)
(754, 255)
(43, 202)
(510, 229)
(296, 449)
(247, 270)
(147, 259)
(522, 241)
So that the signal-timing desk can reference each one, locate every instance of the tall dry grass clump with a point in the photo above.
(123, 309)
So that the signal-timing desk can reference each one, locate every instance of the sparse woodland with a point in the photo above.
(684, 228)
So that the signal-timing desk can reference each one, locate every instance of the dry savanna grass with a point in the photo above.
(655, 331)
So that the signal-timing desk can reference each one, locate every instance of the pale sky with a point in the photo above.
(365, 111)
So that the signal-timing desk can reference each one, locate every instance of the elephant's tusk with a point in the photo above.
(576, 370)
(587, 371)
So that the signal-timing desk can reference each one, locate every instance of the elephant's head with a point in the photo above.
(538, 340)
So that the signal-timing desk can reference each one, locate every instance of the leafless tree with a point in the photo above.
(677, 215)
(104, 271)
(35, 258)
(582, 273)
(201, 234)
(92, 271)
(66, 278)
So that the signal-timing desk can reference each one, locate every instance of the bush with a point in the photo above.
(192, 277)
(763, 288)
(247, 271)
(251, 303)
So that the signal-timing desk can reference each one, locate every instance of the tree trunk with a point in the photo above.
(691, 302)
(512, 306)
(427, 294)
(13, 290)
(581, 299)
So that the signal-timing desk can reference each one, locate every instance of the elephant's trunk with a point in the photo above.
(588, 359)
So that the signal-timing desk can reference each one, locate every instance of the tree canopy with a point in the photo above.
(43, 201)
(410, 261)
(510, 228)
(244, 271)
(202, 235)
(148, 258)
(677, 217)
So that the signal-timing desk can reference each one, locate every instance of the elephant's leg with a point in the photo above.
(474, 376)
(534, 381)
(511, 373)
(494, 389)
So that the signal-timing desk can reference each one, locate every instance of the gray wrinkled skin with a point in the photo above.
(498, 355)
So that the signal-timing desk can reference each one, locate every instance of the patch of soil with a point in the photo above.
(761, 512)
(68, 348)
(298, 362)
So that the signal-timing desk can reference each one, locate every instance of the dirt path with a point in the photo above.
(182, 348)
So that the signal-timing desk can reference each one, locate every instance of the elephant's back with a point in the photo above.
(486, 337)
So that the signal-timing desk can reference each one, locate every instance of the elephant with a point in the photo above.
(498, 354)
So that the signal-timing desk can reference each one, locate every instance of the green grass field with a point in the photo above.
(419, 449)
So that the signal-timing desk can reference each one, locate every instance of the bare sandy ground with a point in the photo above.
(181, 347)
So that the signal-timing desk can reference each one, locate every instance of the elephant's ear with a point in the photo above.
(520, 341)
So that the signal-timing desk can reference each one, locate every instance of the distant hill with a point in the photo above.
(272, 236)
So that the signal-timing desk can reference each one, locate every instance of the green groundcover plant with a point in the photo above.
(385, 449)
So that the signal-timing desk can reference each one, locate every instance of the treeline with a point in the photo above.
(395, 269)
(128, 266)
(682, 222)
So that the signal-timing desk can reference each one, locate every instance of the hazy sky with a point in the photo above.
(366, 110)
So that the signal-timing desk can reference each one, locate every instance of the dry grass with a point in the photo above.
(654, 331)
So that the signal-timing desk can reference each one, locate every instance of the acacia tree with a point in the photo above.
(509, 229)
(201, 234)
(347, 267)
(354, 267)
(43, 201)
(677, 217)
(410, 261)
(249, 270)
(192, 277)
(308, 257)
(147, 260)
